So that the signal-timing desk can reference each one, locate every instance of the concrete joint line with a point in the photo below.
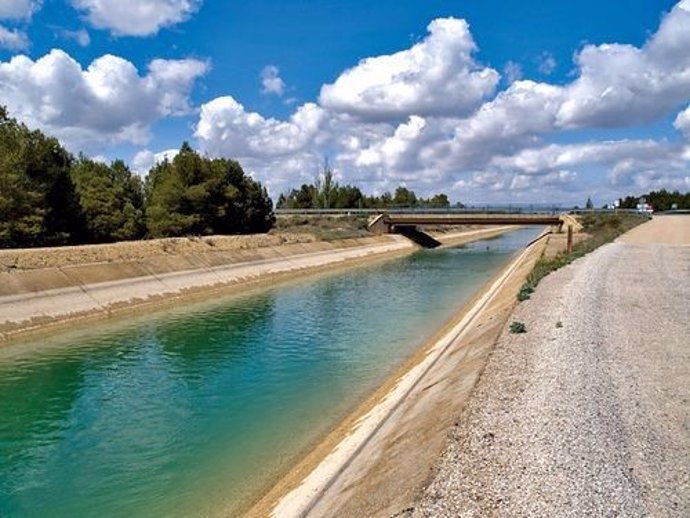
(82, 288)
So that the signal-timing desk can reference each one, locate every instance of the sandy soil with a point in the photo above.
(55, 257)
(669, 230)
(586, 414)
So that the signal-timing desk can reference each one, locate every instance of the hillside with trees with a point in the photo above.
(48, 197)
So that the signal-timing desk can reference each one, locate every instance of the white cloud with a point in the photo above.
(545, 159)
(547, 63)
(512, 72)
(271, 81)
(107, 102)
(81, 36)
(18, 9)
(225, 128)
(13, 39)
(389, 120)
(682, 122)
(136, 17)
(100, 158)
(622, 85)
(437, 76)
(174, 79)
(144, 160)
(628, 164)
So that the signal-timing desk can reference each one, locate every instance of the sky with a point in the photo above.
(489, 101)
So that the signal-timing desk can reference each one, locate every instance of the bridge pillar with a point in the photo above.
(380, 225)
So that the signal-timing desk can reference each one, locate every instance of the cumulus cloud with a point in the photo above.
(545, 159)
(271, 81)
(621, 85)
(547, 63)
(682, 122)
(145, 159)
(429, 116)
(18, 9)
(226, 128)
(437, 76)
(13, 39)
(107, 102)
(136, 17)
(628, 164)
(512, 72)
(81, 36)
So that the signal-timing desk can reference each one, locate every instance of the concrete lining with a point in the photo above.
(32, 299)
(367, 471)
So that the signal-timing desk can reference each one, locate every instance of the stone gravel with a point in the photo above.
(588, 413)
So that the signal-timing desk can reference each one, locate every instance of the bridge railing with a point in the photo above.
(425, 210)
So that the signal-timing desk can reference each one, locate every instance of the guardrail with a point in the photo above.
(509, 209)
(422, 210)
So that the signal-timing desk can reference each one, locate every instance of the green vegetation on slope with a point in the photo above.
(111, 200)
(601, 229)
(47, 197)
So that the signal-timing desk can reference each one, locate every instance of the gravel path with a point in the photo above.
(588, 413)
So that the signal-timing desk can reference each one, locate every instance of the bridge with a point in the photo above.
(398, 223)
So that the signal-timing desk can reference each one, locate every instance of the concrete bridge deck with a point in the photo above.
(386, 223)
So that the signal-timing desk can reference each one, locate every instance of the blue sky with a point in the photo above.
(489, 101)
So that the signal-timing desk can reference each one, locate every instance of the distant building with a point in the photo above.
(644, 208)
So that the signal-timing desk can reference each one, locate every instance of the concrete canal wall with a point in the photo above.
(379, 458)
(40, 299)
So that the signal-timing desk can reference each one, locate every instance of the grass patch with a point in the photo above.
(602, 229)
(517, 327)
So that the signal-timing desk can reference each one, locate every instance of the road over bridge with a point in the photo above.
(388, 223)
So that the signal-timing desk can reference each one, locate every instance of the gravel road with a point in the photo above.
(588, 413)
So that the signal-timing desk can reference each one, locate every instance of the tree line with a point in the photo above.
(49, 197)
(661, 200)
(326, 193)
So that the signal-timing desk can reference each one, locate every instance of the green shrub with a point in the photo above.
(517, 327)
(525, 291)
(602, 229)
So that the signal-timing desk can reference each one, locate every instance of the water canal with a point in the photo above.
(192, 411)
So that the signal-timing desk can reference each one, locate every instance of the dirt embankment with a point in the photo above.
(586, 414)
(126, 251)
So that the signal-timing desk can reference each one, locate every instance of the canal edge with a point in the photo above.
(301, 489)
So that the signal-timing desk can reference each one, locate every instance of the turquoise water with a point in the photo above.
(187, 413)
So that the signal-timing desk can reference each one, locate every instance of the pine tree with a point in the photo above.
(38, 203)
(194, 195)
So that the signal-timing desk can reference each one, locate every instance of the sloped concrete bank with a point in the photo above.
(42, 299)
(379, 458)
